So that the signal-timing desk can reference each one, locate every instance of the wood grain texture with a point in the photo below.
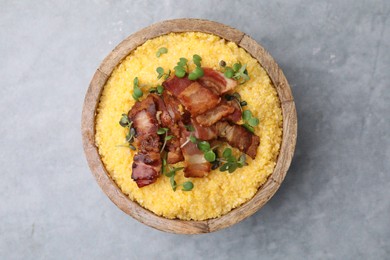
(134, 209)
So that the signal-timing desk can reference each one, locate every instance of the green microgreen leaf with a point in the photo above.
(196, 59)
(180, 72)
(224, 167)
(190, 128)
(250, 120)
(152, 90)
(161, 51)
(210, 156)
(253, 121)
(164, 165)
(125, 121)
(232, 167)
(237, 72)
(162, 73)
(137, 92)
(196, 74)
(168, 137)
(162, 131)
(227, 153)
(249, 128)
(167, 74)
(204, 146)
(182, 62)
(246, 115)
(236, 67)
(229, 72)
(193, 139)
(187, 186)
(160, 89)
(173, 182)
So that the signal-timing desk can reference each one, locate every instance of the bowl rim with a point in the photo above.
(132, 208)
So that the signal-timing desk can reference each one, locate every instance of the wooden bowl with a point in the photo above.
(132, 208)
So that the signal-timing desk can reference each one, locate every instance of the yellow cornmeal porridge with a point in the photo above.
(219, 192)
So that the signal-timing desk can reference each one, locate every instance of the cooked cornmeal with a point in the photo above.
(218, 192)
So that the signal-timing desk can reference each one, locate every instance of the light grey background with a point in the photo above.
(335, 201)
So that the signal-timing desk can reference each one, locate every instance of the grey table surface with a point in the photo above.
(335, 200)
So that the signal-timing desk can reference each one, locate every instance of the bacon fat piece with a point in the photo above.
(195, 97)
(169, 118)
(216, 81)
(228, 110)
(238, 137)
(196, 165)
(147, 162)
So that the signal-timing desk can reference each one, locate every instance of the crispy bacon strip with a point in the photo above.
(228, 110)
(146, 168)
(216, 81)
(236, 115)
(147, 163)
(204, 133)
(196, 164)
(195, 97)
(238, 137)
(169, 117)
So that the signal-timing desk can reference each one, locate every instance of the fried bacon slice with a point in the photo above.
(146, 168)
(195, 163)
(226, 109)
(147, 162)
(169, 117)
(216, 81)
(238, 137)
(204, 133)
(195, 97)
(236, 115)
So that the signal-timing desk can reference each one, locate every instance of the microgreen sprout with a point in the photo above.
(187, 186)
(127, 123)
(238, 72)
(181, 68)
(162, 73)
(162, 131)
(137, 92)
(159, 90)
(249, 120)
(161, 51)
(198, 71)
(231, 163)
(204, 146)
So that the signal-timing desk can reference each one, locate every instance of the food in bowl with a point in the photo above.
(191, 133)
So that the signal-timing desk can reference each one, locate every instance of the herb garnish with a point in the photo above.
(181, 68)
(187, 186)
(127, 123)
(231, 162)
(198, 71)
(204, 146)
(250, 120)
(238, 72)
(159, 90)
(190, 128)
(161, 51)
(162, 131)
(137, 92)
(161, 73)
